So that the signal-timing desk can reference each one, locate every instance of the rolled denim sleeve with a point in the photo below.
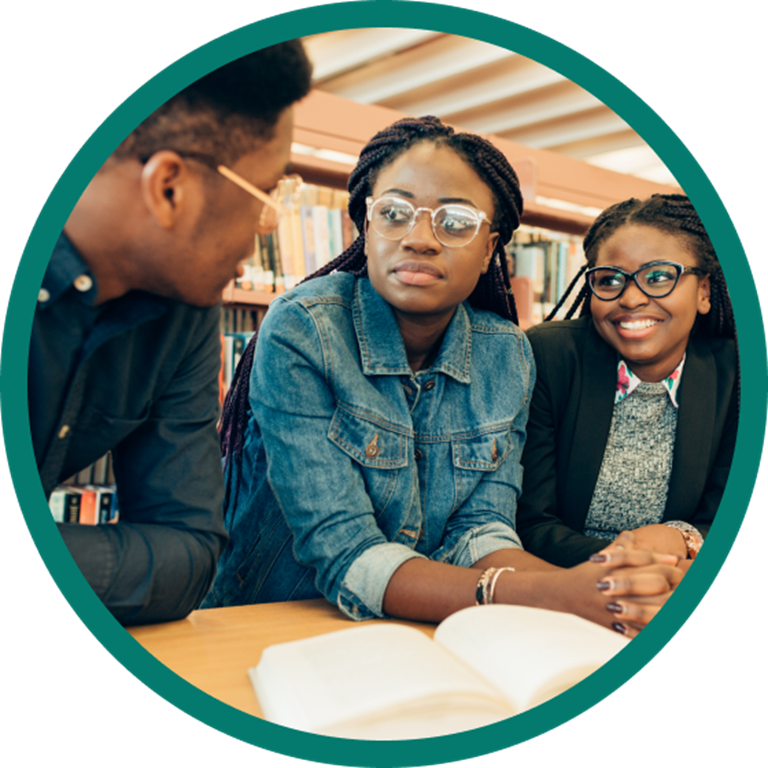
(474, 544)
(321, 491)
(362, 590)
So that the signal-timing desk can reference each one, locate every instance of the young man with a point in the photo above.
(125, 349)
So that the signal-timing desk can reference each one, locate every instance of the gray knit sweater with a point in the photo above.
(632, 487)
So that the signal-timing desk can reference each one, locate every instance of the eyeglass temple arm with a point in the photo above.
(248, 187)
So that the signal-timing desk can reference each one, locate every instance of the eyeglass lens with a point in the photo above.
(453, 225)
(656, 280)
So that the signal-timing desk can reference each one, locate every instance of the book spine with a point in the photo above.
(57, 503)
(285, 247)
(105, 505)
(299, 268)
(72, 506)
(114, 511)
(348, 229)
(308, 239)
(337, 236)
(322, 236)
(88, 506)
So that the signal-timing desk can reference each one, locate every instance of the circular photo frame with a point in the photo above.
(456, 21)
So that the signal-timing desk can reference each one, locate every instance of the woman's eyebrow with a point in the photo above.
(395, 191)
(460, 200)
(441, 200)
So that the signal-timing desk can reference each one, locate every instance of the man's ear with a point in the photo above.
(165, 187)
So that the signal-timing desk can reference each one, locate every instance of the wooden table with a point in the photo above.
(213, 649)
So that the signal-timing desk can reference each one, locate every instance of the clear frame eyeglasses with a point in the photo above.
(656, 279)
(453, 225)
(276, 204)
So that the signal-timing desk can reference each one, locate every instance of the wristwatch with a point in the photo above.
(691, 535)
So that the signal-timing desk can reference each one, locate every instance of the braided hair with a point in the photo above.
(492, 292)
(672, 214)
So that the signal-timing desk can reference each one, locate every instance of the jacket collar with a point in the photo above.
(382, 351)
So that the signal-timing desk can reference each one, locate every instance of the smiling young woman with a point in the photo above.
(634, 416)
(373, 436)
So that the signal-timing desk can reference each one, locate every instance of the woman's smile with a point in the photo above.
(636, 326)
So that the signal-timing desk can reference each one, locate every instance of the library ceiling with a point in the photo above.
(481, 88)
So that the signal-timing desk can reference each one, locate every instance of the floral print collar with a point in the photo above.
(627, 382)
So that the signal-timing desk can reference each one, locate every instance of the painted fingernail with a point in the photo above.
(620, 628)
(614, 608)
(598, 559)
(605, 585)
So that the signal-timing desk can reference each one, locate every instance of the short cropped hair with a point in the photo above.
(228, 112)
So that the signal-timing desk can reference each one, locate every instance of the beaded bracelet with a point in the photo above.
(482, 586)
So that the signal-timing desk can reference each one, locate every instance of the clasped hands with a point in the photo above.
(633, 583)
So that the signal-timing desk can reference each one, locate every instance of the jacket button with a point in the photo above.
(429, 385)
(64, 431)
(418, 455)
(372, 450)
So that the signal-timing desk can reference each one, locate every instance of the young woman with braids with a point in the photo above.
(373, 435)
(634, 416)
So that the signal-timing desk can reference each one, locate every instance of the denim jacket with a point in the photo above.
(368, 463)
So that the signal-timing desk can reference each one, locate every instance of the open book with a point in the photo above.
(388, 681)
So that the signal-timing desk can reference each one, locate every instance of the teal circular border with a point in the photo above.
(15, 348)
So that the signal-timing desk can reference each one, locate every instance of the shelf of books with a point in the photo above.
(89, 497)
(543, 264)
(316, 230)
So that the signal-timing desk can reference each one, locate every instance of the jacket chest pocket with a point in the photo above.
(479, 454)
(377, 448)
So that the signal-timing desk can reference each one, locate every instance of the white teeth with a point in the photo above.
(637, 325)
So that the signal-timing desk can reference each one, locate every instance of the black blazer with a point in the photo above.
(571, 413)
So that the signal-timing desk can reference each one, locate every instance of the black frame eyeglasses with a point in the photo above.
(609, 283)
(454, 225)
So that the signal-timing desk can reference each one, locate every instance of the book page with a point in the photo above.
(380, 681)
(530, 654)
